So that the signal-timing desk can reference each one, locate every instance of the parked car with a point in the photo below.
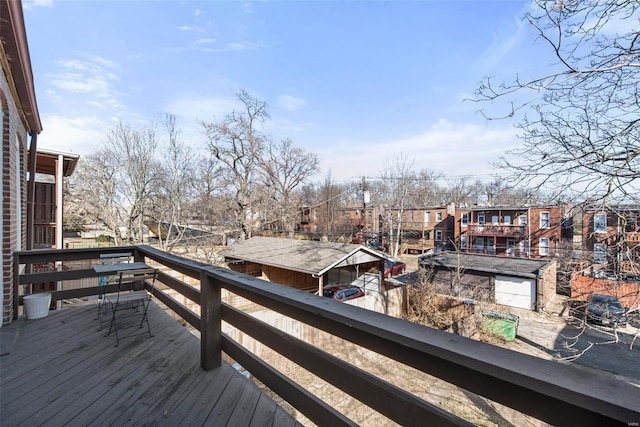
(606, 310)
(393, 268)
(342, 292)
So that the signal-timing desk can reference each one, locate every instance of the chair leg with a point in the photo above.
(113, 325)
(145, 306)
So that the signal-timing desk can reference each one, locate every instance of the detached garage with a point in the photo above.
(515, 282)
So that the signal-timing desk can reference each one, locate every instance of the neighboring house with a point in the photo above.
(426, 229)
(51, 169)
(521, 283)
(523, 232)
(612, 236)
(20, 127)
(306, 264)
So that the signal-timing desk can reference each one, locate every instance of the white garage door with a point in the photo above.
(515, 292)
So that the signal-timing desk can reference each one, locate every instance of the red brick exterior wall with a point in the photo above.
(13, 230)
(583, 286)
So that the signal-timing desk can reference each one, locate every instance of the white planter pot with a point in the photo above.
(37, 305)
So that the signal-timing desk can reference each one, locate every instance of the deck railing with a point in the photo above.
(555, 393)
(502, 230)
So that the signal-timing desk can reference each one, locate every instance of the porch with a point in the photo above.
(61, 370)
(552, 392)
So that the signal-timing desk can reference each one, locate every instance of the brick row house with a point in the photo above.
(426, 230)
(523, 232)
(612, 236)
(20, 127)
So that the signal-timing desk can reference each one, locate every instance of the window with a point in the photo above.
(543, 247)
(600, 253)
(507, 219)
(464, 221)
(495, 220)
(438, 235)
(522, 220)
(545, 220)
(427, 214)
(600, 223)
(480, 243)
(481, 218)
(438, 216)
(463, 242)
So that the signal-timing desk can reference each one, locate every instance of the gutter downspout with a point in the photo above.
(31, 187)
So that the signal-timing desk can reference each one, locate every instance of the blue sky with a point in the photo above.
(353, 81)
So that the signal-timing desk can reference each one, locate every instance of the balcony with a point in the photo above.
(498, 230)
(71, 355)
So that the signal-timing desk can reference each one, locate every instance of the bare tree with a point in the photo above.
(93, 192)
(136, 173)
(398, 180)
(237, 143)
(582, 123)
(285, 167)
(175, 187)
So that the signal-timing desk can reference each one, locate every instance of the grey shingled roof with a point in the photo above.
(306, 256)
(490, 264)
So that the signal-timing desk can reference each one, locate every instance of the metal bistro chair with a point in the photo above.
(130, 301)
(104, 281)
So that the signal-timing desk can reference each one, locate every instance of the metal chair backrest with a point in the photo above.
(129, 279)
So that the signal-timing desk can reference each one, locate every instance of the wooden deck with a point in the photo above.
(61, 370)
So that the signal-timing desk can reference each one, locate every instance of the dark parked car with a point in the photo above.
(606, 310)
(393, 268)
(342, 292)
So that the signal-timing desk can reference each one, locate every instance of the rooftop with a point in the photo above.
(305, 256)
(490, 264)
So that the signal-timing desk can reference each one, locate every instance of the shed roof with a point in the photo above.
(305, 256)
(490, 264)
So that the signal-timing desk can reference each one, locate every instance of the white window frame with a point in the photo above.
(506, 219)
(600, 223)
(481, 218)
(438, 216)
(479, 243)
(522, 219)
(464, 219)
(427, 217)
(438, 235)
(463, 242)
(545, 223)
(495, 219)
(544, 246)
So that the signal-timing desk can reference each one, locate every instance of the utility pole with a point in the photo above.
(365, 200)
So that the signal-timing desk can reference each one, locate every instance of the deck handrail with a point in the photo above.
(556, 393)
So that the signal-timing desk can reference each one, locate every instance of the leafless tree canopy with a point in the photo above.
(580, 127)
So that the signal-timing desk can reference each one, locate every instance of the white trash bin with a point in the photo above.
(37, 305)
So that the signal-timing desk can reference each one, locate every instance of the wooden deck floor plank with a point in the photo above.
(105, 376)
(61, 386)
(283, 419)
(205, 394)
(219, 413)
(124, 387)
(77, 377)
(152, 384)
(264, 413)
(83, 353)
(243, 412)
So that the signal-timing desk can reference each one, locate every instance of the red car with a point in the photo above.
(342, 292)
(393, 268)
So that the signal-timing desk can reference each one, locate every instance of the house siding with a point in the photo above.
(14, 192)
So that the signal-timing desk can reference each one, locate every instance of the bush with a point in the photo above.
(103, 238)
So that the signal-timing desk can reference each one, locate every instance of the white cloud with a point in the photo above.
(448, 148)
(206, 41)
(184, 28)
(80, 135)
(30, 4)
(291, 103)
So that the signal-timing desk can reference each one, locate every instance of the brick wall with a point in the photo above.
(583, 286)
(13, 189)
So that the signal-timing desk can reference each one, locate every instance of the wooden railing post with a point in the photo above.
(16, 286)
(138, 256)
(211, 323)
